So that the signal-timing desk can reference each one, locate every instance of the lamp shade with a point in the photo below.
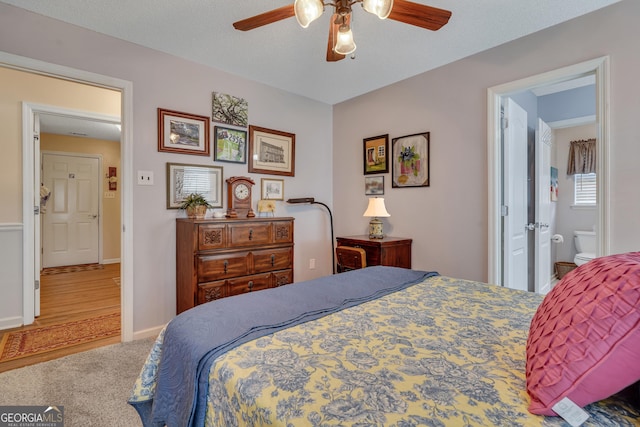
(345, 44)
(376, 208)
(380, 8)
(307, 11)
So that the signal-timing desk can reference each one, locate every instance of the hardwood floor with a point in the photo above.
(68, 297)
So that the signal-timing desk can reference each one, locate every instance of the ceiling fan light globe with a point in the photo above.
(380, 8)
(307, 11)
(345, 44)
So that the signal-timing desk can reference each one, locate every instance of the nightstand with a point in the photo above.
(391, 251)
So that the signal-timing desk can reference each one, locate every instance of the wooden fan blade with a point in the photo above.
(274, 15)
(332, 56)
(419, 15)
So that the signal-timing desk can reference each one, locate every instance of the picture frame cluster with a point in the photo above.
(408, 160)
(234, 141)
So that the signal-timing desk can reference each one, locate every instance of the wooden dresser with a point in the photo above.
(391, 251)
(218, 258)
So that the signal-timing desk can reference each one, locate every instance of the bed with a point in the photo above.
(381, 346)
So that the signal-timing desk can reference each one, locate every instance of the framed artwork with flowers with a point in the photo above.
(410, 161)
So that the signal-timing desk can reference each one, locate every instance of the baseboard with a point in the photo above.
(147, 333)
(10, 322)
(111, 261)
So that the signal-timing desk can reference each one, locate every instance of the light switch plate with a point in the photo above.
(145, 178)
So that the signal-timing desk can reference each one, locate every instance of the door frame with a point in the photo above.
(598, 67)
(126, 209)
(39, 238)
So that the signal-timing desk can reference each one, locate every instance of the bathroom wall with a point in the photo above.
(570, 217)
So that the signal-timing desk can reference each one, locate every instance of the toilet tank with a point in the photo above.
(585, 241)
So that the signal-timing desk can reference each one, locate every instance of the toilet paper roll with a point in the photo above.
(557, 238)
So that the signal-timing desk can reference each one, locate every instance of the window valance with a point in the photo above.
(582, 157)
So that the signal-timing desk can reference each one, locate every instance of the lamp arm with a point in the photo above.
(333, 251)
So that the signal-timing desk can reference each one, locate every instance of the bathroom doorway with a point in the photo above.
(499, 264)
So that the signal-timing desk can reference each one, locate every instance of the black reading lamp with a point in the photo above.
(312, 201)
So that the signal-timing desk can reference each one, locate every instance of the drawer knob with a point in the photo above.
(273, 260)
(250, 233)
(250, 285)
(226, 264)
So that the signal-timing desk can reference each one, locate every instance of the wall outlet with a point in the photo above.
(312, 264)
(145, 178)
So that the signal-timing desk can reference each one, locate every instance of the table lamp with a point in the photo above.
(376, 209)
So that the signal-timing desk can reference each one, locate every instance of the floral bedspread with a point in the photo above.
(444, 352)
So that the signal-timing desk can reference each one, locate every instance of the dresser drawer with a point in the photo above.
(281, 278)
(216, 267)
(272, 259)
(242, 285)
(249, 234)
(283, 232)
(211, 236)
(211, 291)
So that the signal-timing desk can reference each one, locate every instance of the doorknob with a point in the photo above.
(93, 216)
(531, 226)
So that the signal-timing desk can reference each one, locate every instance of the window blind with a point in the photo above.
(585, 189)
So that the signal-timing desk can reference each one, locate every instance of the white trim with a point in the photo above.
(599, 67)
(148, 333)
(10, 322)
(126, 89)
(569, 123)
(11, 226)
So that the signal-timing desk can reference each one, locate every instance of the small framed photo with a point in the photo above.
(272, 189)
(271, 152)
(229, 145)
(375, 154)
(183, 133)
(229, 109)
(410, 166)
(183, 180)
(373, 185)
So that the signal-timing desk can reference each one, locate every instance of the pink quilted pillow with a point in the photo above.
(584, 340)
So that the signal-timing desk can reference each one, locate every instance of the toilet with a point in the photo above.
(585, 242)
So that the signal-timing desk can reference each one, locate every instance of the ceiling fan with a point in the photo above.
(340, 43)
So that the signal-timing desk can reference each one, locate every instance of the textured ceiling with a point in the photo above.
(288, 57)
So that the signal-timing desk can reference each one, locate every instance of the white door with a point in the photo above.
(70, 221)
(37, 205)
(544, 142)
(515, 197)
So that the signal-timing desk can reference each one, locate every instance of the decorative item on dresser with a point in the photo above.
(239, 197)
(390, 251)
(219, 258)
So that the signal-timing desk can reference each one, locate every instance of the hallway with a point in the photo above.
(71, 297)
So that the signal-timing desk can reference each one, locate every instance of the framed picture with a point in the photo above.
(271, 151)
(272, 189)
(229, 145)
(373, 185)
(410, 163)
(183, 180)
(183, 133)
(554, 184)
(375, 154)
(229, 110)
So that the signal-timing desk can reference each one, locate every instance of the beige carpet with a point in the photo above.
(34, 341)
(93, 386)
